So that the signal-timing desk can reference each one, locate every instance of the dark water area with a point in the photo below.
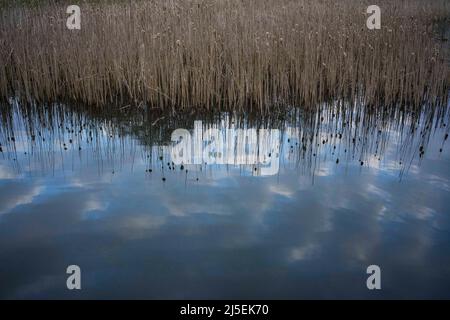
(226, 206)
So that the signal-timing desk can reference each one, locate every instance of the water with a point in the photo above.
(270, 214)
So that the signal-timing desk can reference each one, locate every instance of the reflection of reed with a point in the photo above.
(252, 55)
(57, 138)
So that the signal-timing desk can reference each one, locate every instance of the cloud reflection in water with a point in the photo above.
(309, 231)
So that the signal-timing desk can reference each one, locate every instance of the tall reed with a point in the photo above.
(228, 54)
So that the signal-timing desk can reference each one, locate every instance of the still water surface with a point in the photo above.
(227, 208)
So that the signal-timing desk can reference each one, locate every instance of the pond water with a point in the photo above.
(227, 206)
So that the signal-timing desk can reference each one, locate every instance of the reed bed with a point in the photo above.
(256, 55)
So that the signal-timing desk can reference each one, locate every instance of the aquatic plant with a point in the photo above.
(254, 55)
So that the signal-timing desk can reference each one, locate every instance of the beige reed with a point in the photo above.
(228, 54)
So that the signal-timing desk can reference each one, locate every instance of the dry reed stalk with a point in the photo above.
(245, 55)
